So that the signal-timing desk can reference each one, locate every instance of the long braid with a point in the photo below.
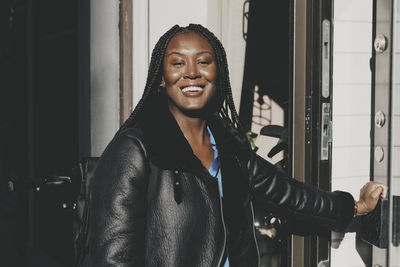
(153, 75)
(227, 110)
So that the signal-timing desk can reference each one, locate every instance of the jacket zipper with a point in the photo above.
(254, 234)
(223, 224)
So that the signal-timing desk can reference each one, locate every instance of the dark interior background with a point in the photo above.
(268, 65)
(268, 60)
(38, 128)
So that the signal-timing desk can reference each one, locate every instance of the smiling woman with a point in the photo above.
(176, 185)
(190, 73)
(189, 77)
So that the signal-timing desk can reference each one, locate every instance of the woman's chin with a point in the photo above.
(194, 112)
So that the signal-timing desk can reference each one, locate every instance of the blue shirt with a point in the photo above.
(215, 170)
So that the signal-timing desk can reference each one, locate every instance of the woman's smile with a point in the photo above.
(192, 90)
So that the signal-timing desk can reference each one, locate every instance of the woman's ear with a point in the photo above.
(162, 84)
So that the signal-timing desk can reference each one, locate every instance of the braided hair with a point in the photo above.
(227, 108)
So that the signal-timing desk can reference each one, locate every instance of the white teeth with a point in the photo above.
(192, 89)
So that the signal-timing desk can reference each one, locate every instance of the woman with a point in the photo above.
(176, 184)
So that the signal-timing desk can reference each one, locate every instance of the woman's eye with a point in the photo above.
(204, 62)
(177, 64)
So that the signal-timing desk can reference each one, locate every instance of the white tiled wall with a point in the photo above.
(352, 26)
(396, 93)
(353, 10)
(357, 124)
(361, 32)
(351, 68)
(349, 162)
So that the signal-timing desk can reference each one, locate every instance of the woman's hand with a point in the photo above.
(369, 196)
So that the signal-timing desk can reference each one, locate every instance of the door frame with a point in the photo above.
(307, 116)
(381, 103)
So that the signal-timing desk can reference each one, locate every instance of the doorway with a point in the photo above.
(40, 128)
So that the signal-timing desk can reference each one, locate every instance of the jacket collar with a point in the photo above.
(168, 147)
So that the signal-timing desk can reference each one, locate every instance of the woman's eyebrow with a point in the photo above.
(181, 54)
(204, 52)
(175, 53)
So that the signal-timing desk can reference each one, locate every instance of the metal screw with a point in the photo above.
(379, 154)
(380, 119)
(64, 205)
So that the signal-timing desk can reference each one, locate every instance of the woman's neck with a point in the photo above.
(194, 129)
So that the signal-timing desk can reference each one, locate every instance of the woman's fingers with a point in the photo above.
(369, 196)
(384, 191)
(370, 187)
(377, 192)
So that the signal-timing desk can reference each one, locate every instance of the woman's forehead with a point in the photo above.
(189, 41)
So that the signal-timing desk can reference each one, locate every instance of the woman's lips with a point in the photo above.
(192, 91)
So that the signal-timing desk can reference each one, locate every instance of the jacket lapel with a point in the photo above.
(165, 141)
(168, 146)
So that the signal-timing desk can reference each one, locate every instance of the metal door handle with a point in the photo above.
(326, 43)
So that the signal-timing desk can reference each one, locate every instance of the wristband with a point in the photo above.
(355, 209)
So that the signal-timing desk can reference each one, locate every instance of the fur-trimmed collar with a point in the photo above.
(168, 147)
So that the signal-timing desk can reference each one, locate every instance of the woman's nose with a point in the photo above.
(192, 71)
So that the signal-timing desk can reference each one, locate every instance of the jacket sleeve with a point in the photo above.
(296, 202)
(118, 205)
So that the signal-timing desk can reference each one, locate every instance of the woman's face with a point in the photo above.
(190, 73)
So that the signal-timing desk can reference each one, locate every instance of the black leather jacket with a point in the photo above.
(154, 204)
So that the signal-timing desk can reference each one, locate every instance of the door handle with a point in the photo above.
(326, 57)
(396, 221)
(374, 226)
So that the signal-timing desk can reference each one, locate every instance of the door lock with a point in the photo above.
(326, 131)
(380, 43)
(380, 119)
(379, 154)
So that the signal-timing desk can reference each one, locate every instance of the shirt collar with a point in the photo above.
(212, 143)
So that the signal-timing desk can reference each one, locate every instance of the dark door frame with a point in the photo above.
(308, 166)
